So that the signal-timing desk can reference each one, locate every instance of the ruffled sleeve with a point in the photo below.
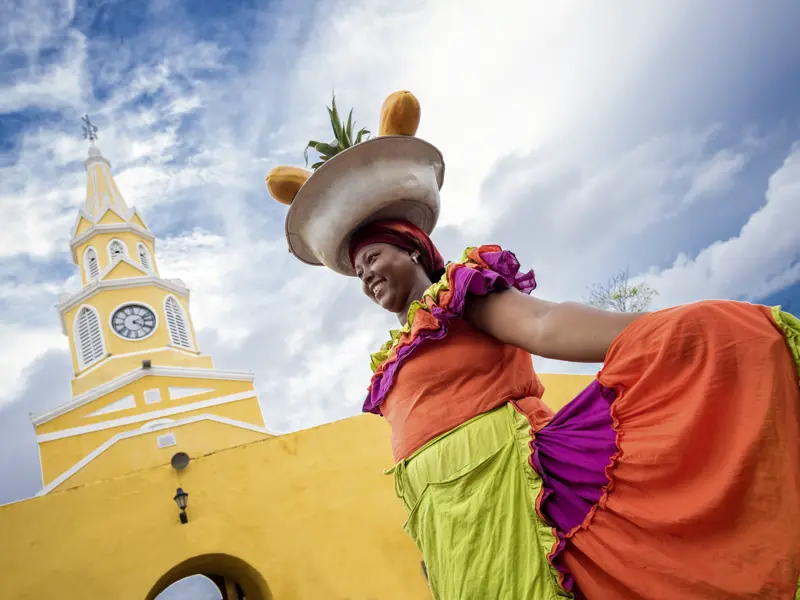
(481, 271)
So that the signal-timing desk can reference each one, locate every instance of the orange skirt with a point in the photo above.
(703, 500)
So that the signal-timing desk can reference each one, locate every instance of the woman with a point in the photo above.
(675, 474)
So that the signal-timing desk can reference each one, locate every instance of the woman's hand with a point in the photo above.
(563, 331)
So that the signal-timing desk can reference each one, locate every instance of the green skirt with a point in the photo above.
(471, 499)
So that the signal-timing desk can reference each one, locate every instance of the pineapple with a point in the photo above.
(343, 137)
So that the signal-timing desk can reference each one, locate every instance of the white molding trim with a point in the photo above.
(136, 213)
(96, 204)
(125, 259)
(97, 158)
(148, 416)
(126, 403)
(179, 392)
(130, 377)
(81, 214)
(126, 227)
(110, 357)
(132, 303)
(137, 432)
(158, 424)
(113, 209)
(81, 296)
(115, 194)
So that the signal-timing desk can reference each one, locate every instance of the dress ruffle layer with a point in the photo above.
(480, 271)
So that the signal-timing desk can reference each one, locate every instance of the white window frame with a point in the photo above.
(157, 423)
(142, 249)
(124, 254)
(86, 269)
(182, 315)
(76, 337)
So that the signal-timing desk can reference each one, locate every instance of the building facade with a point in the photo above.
(141, 383)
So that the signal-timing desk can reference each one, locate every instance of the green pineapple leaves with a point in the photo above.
(343, 137)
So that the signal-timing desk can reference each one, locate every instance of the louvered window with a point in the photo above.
(92, 266)
(89, 337)
(144, 256)
(176, 323)
(116, 250)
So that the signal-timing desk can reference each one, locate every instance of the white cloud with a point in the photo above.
(63, 85)
(763, 258)
(716, 175)
(26, 344)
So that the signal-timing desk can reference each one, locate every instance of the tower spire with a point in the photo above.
(102, 192)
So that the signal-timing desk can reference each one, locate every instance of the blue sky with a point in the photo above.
(663, 136)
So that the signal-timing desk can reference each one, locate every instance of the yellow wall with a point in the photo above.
(559, 389)
(136, 220)
(114, 366)
(83, 225)
(141, 452)
(109, 218)
(312, 512)
(108, 301)
(59, 455)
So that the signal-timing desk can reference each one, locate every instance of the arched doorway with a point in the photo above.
(194, 587)
(234, 578)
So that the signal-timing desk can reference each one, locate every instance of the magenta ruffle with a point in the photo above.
(571, 454)
(496, 271)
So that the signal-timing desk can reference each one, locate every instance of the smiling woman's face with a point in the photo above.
(389, 276)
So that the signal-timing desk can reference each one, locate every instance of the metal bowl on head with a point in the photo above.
(388, 177)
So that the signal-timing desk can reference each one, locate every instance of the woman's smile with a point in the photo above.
(377, 287)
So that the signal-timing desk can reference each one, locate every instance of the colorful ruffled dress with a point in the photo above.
(674, 475)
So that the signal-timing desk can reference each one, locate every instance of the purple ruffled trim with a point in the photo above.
(503, 272)
(571, 454)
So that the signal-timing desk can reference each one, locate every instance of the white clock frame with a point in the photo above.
(132, 303)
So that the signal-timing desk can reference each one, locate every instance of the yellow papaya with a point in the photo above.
(284, 182)
(399, 114)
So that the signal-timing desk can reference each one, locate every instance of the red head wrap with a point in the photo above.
(402, 234)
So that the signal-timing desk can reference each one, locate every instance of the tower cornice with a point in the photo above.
(175, 286)
(108, 228)
(135, 375)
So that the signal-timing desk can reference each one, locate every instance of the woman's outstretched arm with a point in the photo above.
(564, 331)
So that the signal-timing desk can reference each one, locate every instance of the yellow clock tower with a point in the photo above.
(141, 390)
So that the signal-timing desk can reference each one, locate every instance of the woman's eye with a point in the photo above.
(371, 259)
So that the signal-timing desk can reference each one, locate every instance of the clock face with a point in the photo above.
(133, 322)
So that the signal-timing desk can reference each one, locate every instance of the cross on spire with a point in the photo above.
(89, 129)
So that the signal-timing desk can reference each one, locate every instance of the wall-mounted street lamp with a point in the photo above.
(182, 499)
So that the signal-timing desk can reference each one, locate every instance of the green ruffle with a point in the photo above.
(433, 292)
(790, 326)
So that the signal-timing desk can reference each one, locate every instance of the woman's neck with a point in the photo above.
(416, 294)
